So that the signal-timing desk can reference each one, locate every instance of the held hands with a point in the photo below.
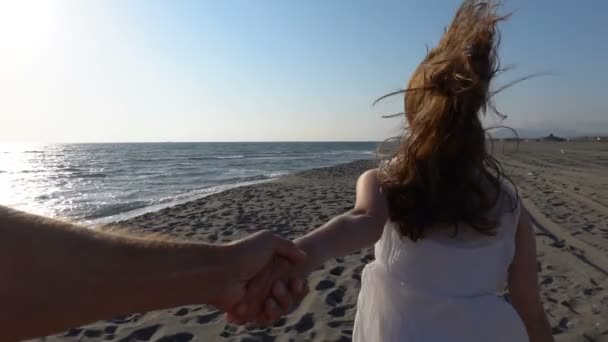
(272, 293)
(266, 282)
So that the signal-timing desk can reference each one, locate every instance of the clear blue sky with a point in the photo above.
(272, 70)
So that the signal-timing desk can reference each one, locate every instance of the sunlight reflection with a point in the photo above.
(21, 169)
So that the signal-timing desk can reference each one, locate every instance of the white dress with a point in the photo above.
(441, 288)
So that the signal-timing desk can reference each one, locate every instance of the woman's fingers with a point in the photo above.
(299, 288)
(279, 303)
(260, 288)
(272, 310)
(283, 299)
(282, 296)
(234, 319)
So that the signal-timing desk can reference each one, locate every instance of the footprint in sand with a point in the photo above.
(73, 333)
(281, 322)
(367, 258)
(551, 300)
(337, 271)
(564, 323)
(324, 285)
(589, 292)
(204, 319)
(547, 280)
(111, 329)
(181, 312)
(125, 319)
(339, 311)
(229, 330)
(348, 332)
(93, 333)
(335, 297)
(305, 323)
(339, 324)
(143, 334)
(257, 338)
(567, 305)
(179, 337)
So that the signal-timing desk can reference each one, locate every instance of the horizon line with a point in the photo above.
(192, 142)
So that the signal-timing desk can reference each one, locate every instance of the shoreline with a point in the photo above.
(341, 174)
(127, 215)
(131, 214)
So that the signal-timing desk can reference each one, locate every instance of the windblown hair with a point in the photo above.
(442, 173)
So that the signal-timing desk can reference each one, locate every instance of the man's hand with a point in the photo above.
(271, 293)
(251, 258)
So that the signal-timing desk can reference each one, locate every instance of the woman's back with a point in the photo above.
(454, 263)
(441, 287)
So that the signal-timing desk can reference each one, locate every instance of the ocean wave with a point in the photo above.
(276, 174)
(279, 153)
(116, 208)
(88, 175)
(347, 152)
(234, 180)
(152, 160)
(32, 171)
(236, 156)
(63, 167)
(310, 156)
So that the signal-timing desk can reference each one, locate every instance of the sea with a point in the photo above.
(103, 183)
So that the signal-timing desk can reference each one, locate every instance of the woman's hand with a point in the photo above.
(248, 264)
(272, 293)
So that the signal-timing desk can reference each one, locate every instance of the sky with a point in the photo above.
(273, 70)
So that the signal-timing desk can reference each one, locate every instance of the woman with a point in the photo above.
(449, 228)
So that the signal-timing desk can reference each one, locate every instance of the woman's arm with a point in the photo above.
(351, 231)
(523, 283)
(342, 235)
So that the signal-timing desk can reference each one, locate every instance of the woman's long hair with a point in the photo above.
(442, 173)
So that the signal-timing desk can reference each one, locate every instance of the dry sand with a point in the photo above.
(564, 185)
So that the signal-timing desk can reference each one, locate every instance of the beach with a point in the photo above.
(563, 185)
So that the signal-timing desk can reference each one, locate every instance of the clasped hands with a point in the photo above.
(269, 280)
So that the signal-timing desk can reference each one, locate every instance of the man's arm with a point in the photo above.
(56, 275)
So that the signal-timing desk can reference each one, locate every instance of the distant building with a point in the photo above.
(553, 138)
(515, 139)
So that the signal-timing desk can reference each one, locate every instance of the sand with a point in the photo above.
(564, 185)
